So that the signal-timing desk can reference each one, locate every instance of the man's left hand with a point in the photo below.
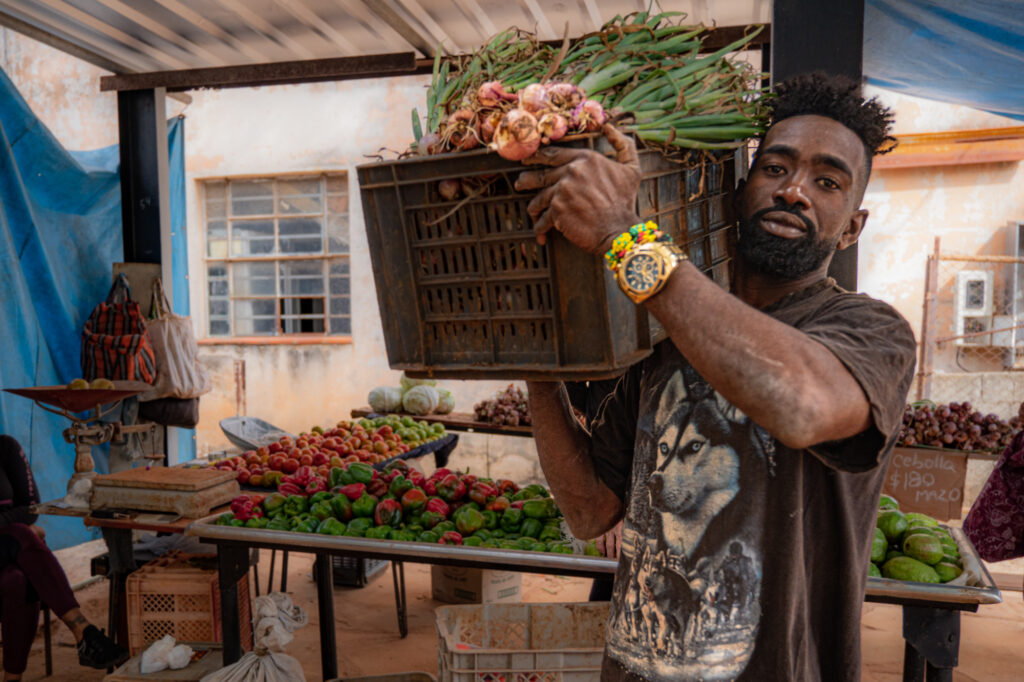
(586, 196)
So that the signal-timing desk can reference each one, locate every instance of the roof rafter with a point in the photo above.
(211, 29)
(261, 25)
(152, 25)
(300, 11)
(401, 26)
(414, 8)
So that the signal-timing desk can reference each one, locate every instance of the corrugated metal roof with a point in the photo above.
(133, 36)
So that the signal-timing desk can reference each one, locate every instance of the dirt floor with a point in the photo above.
(369, 642)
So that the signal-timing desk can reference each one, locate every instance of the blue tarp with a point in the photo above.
(968, 52)
(60, 233)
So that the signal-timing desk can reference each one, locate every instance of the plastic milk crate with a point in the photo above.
(465, 291)
(178, 594)
(521, 642)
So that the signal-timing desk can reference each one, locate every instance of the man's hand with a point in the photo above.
(38, 530)
(586, 196)
(608, 544)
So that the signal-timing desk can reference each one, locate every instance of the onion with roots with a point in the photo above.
(429, 144)
(492, 93)
(589, 116)
(534, 99)
(449, 189)
(488, 125)
(552, 127)
(517, 136)
(461, 130)
(565, 95)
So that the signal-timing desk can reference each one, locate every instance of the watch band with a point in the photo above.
(644, 271)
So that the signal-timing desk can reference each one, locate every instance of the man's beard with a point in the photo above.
(778, 257)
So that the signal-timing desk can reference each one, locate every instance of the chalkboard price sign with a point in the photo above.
(926, 480)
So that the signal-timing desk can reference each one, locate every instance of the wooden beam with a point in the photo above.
(271, 73)
(955, 148)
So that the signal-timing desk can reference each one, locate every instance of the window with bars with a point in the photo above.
(277, 256)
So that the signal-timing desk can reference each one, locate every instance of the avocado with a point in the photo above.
(888, 502)
(907, 568)
(892, 553)
(873, 571)
(923, 548)
(947, 571)
(927, 520)
(893, 523)
(878, 545)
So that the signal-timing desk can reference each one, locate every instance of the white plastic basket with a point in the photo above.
(521, 642)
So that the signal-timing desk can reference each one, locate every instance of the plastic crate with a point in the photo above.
(521, 642)
(465, 291)
(353, 572)
(179, 595)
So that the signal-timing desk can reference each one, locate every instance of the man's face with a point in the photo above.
(801, 199)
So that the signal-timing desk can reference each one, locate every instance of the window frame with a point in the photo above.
(325, 258)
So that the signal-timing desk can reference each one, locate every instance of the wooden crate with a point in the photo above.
(178, 595)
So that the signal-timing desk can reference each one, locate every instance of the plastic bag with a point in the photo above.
(179, 657)
(155, 658)
(179, 373)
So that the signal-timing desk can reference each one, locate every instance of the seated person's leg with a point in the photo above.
(19, 617)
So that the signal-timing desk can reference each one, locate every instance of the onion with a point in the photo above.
(488, 125)
(429, 144)
(552, 127)
(449, 189)
(534, 98)
(492, 93)
(462, 133)
(589, 116)
(517, 136)
(565, 95)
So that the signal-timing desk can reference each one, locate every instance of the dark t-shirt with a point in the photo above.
(742, 558)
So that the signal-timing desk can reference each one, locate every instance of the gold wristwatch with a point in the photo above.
(643, 270)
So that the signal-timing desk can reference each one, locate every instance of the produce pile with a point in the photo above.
(98, 384)
(516, 93)
(368, 440)
(507, 408)
(912, 547)
(415, 396)
(400, 503)
(957, 426)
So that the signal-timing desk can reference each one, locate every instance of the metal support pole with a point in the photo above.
(927, 353)
(325, 603)
(232, 564)
(932, 643)
(810, 35)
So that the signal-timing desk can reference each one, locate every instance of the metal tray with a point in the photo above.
(250, 433)
(80, 400)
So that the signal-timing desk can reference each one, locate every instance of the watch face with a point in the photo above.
(642, 271)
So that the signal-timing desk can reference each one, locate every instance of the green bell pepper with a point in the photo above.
(402, 535)
(279, 522)
(550, 533)
(527, 543)
(483, 534)
(538, 490)
(430, 536)
(331, 526)
(379, 532)
(341, 508)
(468, 520)
(590, 549)
(472, 541)
(257, 522)
(561, 548)
(236, 523)
(540, 508)
(430, 519)
(306, 525)
(364, 506)
(295, 505)
(491, 543)
(321, 496)
(337, 477)
(274, 504)
(357, 527)
(225, 519)
(360, 472)
(511, 520)
(444, 527)
(322, 510)
(510, 544)
(498, 533)
(399, 486)
(491, 519)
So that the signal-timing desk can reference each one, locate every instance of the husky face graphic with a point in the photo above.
(697, 472)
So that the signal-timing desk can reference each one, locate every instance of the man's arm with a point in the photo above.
(781, 378)
(589, 506)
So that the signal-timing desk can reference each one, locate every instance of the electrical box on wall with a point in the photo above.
(972, 301)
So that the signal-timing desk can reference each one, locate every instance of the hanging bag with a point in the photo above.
(995, 524)
(179, 373)
(115, 344)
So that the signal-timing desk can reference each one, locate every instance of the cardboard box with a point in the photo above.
(454, 585)
(927, 480)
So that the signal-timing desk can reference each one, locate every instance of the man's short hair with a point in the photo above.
(838, 98)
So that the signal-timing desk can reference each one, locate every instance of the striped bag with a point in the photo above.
(115, 343)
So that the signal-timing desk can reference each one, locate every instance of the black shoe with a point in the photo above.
(96, 650)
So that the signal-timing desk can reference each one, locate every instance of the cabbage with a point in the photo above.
(420, 400)
(384, 399)
(445, 401)
(408, 383)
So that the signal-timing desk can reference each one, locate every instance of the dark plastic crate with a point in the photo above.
(466, 292)
(353, 572)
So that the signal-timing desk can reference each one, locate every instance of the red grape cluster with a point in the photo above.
(506, 408)
(957, 426)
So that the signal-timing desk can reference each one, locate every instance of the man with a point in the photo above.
(746, 454)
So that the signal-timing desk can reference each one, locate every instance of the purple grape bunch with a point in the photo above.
(506, 408)
(957, 426)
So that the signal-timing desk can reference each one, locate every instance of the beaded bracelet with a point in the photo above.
(641, 233)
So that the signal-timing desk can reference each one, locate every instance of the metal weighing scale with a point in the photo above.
(85, 432)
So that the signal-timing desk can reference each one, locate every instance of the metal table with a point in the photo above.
(931, 613)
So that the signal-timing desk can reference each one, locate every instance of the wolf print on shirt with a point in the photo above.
(687, 594)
